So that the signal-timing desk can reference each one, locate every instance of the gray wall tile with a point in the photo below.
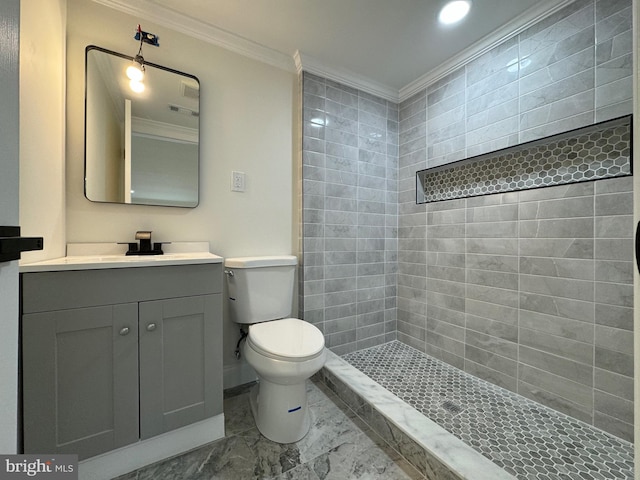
(561, 228)
(563, 60)
(565, 208)
(614, 316)
(557, 287)
(615, 69)
(614, 47)
(492, 327)
(537, 119)
(557, 365)
(560, 25)
(614, 339)
(489, 360)
(579, 330)
(500, 263)
(563, 347)
(558, 90)
(614, 294)
(508, 298)
(556, 401)
(561, 386)
(614, 384)
(530, 290)
(614, 227)
(613, 425)
(562, 248)
(557, 267)
(497, 378)
(616, 362)
(353, 189)
(556, 306)
(615, 406)
(614, 24)
(552, 128)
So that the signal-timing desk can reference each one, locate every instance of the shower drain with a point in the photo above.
(451, 407)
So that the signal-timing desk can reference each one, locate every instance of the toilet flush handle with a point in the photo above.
(229, 272)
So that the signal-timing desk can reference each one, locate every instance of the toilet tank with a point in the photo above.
(260, 288)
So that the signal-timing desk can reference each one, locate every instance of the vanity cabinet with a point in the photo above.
(114, 356)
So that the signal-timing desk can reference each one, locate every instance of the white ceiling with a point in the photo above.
(390, 44)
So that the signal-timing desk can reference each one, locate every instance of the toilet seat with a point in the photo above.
(288, 339)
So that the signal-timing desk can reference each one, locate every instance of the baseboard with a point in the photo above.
(238, 374)
(146, 452)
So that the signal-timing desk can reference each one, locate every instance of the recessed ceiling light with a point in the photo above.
(454, 11)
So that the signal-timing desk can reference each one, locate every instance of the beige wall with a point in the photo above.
(246, 125)
(42, 148)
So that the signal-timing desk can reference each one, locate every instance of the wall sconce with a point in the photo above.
(135, 71)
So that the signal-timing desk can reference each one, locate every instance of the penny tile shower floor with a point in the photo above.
(525, 438)
(339, 446)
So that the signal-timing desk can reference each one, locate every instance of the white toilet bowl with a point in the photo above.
(283, 351)
(284, 354)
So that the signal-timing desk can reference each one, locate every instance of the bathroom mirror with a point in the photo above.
(140, 148)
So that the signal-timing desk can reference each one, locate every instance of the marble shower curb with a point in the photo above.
(431, 449)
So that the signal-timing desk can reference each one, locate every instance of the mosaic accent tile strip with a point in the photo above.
(590, 153)
(523, 437)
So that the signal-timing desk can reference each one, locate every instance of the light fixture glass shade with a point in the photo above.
(454, 11)
(134, 72)
(137, 86)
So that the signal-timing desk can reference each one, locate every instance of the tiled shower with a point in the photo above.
(530, 290)
(350, 214)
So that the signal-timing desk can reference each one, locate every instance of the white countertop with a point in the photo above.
(112, 255)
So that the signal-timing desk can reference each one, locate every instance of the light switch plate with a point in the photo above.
(237, 181)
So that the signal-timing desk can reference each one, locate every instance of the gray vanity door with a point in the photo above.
(80, 379)
(180, 362)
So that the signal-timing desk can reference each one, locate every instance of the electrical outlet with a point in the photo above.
(237, 181)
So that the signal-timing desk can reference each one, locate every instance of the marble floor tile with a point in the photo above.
(330, 427)
(271, 458)
(338, 446)
(362, 458)
(230, 457)
(237, 415)
(301, 472)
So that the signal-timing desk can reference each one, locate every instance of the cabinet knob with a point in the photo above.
(151, 327)
(124, 330)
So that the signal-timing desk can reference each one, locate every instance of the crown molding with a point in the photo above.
(509, 30)
(302, 62)
(344, 76)
(164, 131)
(202, 31)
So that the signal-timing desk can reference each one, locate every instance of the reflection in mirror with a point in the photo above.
(140, 148)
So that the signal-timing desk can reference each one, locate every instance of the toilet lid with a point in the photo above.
(289, 338)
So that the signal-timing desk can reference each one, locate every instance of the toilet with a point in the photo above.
(283, 351)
